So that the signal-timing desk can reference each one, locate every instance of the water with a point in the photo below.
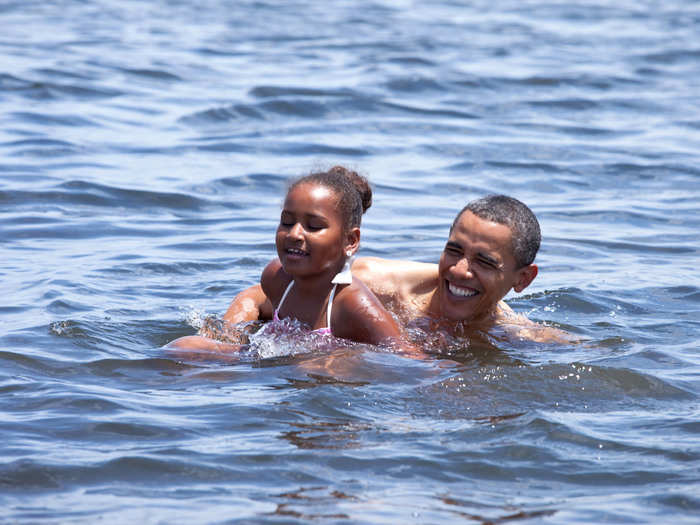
(144, 151)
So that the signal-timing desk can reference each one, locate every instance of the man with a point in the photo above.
(490, 250)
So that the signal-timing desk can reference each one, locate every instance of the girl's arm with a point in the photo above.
(249, 305)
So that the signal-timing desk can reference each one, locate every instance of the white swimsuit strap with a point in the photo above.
(284, 295)
(330, 307)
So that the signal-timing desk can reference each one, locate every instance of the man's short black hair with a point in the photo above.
(524, 227)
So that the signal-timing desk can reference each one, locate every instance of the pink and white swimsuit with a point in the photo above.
(327, 328)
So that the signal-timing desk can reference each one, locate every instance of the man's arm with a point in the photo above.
(400, 281)
(392, 279)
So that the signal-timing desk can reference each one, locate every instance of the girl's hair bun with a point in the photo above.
(353, 190)
(361, 184)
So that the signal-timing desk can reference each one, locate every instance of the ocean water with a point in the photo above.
(145, 147)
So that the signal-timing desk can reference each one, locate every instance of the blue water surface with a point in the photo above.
(145, 148)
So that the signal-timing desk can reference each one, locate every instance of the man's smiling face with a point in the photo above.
(477, 269)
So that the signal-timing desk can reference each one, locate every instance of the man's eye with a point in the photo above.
(487, 264)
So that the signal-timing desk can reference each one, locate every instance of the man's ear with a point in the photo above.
(524, 277)
(352, 241)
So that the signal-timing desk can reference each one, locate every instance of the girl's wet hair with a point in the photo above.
(353, 190)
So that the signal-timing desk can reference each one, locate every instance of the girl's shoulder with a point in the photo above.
(274, 280)
(358, 315)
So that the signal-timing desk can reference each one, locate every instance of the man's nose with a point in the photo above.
(463, 267)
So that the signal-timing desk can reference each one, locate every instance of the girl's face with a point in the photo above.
(310, 237)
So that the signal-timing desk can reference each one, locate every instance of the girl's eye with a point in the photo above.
(451, 250)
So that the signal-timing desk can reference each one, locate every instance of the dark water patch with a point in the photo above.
(288, 91)
(309, 148)
(20, 173)
(82, 231)
(14, 309)
(575, 104)
(82, 193)
(692, 124)
(649, 359)
(25, 474)
(255, 182)
(170, 151)
(588, 131)
(683, 294)
(500, 390)
(410, 187)
(45, 400)
(228, 147)
(152, 74)
(414, 84)
(414, 60)
(222, 246)
(424, 111)
(574, 300)
(583, 81)
(155, 269)
(136, 431)
(633, 215)
(651, 171)
(64, 307)
(53, 120)
(674, 298)
(63, 73)
(478, 512)
(42, 147)
(295, 108)
(107, 336)
(630, 247)
(679, 500)
(12, 83)
(42, 90)
(539, 167)
(219, 52)
(29, 474)
(223, 115)
(274, 108)
(21, 362)
(673, 57)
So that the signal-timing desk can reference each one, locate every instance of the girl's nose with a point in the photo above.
(296, 231)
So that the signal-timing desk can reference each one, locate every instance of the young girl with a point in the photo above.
(319, 231)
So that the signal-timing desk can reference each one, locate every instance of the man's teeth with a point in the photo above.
(294, 251)
(462, 292)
